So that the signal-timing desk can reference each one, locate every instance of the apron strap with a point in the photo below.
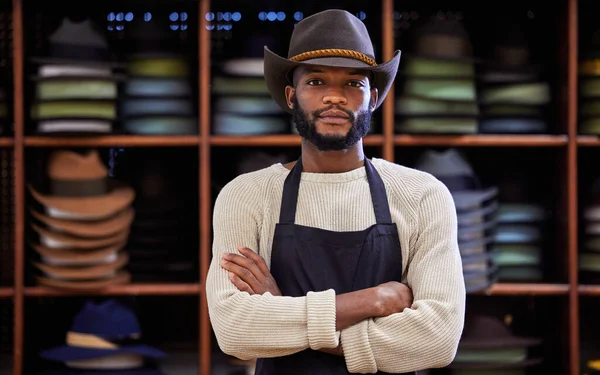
(289, 198)
(291, 186)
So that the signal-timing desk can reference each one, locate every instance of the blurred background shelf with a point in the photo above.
(482, 140)
(6, 292)
(510, 289)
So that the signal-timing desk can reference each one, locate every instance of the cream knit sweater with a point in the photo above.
(424, 336)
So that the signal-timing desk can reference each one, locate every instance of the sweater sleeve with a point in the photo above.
(426, 335)
(254, 326)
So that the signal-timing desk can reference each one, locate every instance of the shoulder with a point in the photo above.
(251, 186)
(409, 186)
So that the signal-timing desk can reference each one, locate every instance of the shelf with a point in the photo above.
(276, 140)
(482, 140)
(6, 292)
(113, 140)
(589, 290)
(121, 290)
(506, 289)
(588, 141)
(6, 142)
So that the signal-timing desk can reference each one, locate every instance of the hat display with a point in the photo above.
(518, 243)
(76, 87)
(589, 251)
(157, 93)
(104, 336)
(513, 93)
(488, 344)
(476, 213)
(82, 223)
(334, 38)
(437, 90)
(589, 86)
(242, 103)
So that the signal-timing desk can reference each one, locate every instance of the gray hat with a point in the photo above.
(330, 38)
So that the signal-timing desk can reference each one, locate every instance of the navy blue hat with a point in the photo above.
(102, 330)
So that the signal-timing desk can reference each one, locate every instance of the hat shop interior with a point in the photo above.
(149, 108)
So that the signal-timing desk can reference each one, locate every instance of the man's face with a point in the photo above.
(331, 107)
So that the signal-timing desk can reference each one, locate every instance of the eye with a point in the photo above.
(356, 83)
(314, 82)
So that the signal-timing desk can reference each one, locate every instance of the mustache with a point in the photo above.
(318, 112)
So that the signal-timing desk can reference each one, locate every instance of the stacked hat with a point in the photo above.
(104, 338)
(589, 86)
(488, 346)
(476, 212)
(518, 242)
(589, 257)
(75, 87)
(242, 103)
(82, 224)
(437, 88)
(158, 96)
(514, 94)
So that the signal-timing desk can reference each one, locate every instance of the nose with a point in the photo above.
(335, 98)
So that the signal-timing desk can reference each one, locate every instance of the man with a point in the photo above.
(315, 263)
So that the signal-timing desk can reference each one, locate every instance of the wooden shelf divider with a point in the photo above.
(113, 141)
(512, 289)
(482, 140)
(6, 292)
(120, 290)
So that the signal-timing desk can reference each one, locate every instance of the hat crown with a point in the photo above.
(69, 165)
(444, 163)
(109, 320)
(331, 29)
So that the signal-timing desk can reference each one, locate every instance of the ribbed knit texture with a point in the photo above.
(261, 326)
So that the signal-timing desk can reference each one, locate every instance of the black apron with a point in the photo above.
(311, 259)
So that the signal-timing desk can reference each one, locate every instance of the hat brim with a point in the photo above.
(94, 229)
(276, 70)
(72, 353)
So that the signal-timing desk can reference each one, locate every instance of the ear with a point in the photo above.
(374, 98)
(290, 92)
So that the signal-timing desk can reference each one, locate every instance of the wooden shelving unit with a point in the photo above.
(387, 142)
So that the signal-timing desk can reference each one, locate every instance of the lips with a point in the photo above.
(334, 117)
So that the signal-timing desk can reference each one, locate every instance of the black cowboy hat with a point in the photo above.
(329, 38)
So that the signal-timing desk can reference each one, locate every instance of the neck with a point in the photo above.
(316, 161)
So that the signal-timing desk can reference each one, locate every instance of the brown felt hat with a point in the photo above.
(330, 38)
(80, 188)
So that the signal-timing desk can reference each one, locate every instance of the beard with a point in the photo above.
(306, 126)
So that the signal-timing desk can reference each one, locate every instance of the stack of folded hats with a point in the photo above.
(163, 240)
(158, 96)
(437, 83)
(476, 212)
(82, 224)
(514, 95)
(589, 252)
(76, 86)
(104, 338)
(243, 104)
(589, 86)
(489, 346)
(518, 242)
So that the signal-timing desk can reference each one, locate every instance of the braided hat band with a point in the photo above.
(334, 52)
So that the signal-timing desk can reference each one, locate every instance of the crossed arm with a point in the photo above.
(249, 272)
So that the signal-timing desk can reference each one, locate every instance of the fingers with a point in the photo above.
(240, 284)
(257, 259)
(246, 263)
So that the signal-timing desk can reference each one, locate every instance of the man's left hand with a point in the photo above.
(249, 272)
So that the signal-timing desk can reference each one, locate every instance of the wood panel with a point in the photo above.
(120, 290)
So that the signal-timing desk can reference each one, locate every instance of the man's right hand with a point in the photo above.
(392, 297)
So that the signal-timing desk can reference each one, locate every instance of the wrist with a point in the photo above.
(374, 301)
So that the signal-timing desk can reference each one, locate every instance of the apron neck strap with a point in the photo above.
(292, 186)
